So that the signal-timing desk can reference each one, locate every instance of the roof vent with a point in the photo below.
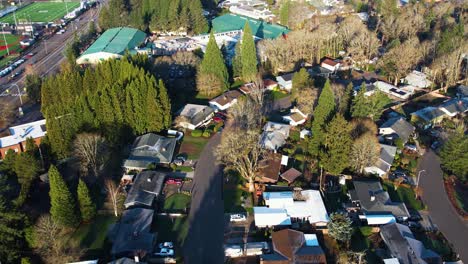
(149, 179)
(163, 149)
(372, 198)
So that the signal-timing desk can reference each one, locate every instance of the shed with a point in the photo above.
(291, 175)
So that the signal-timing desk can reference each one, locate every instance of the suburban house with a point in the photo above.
(295, 117)
(385, 161)
(269, 84)
(274, 135)
(370, 89)
(282, 208)
(270, 167)
(393, 90)
(146, 187)
(225, 100)
(132, 235)
(291, 246)
(427, 117)
(150, 149)
(285, 81)
(375, 204)
(417, 79)
(194, 116)
(291, 175)
(397, 126)
(16, 141)
(403, 246)
(454, 106)
(330, 65)
(318, 71)
(113, 44)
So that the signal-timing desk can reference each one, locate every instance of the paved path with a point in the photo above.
(441, 210)
(204, 242)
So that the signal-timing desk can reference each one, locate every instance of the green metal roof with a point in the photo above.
(117, 40)
(259, 28)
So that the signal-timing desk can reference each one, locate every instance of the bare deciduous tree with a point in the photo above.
(113, 195)
(246, 114)
(306, 99)
(365, 152)
(91, 150)
(363, 126)
(447, 69)
(239, 150)
(209, 85)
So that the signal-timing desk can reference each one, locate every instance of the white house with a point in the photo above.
(256, 12)
(274, 135)
(402, 93)
(330, 65)
(195, 115)
(295, 117)
(417, 79)
(383, 165)
(285, 207)
(225, 100)
(285, 81)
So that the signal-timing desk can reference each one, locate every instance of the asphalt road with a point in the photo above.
(204, 242)
(440, 209)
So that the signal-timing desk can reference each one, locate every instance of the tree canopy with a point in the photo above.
(63, 206)
(248, 55)
(454, 155)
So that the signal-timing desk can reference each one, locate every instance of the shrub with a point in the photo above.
(206, 133)
(299, 157)
(218, 126)
(196, 133)
(366, 230)
(295, 135)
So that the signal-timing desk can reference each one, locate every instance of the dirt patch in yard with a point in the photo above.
(458, 195)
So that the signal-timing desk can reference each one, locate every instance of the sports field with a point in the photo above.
(13, 44)
(41, 12)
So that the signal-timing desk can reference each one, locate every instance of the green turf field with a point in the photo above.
(41, 12)
(13, 44)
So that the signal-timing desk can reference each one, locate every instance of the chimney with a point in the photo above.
(137, 259)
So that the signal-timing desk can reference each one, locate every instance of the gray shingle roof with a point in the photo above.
(455, 106)
(401, 127)
(402, 245)
(147, 186)
(151, 148)
(387, 153)
(365, 190)
(133, 232)
(462, 90)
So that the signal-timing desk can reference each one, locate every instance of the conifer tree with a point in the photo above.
(86, 204)
(322, 114)
(337, 145)
(213, 64)
(198, 21)
(63, 205)
(237, 61)
(284, 13)
(248, 55)
(370, 106)
(360, 107)
(300, 80)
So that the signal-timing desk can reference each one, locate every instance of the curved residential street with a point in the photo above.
(204, 242)
(440, 209)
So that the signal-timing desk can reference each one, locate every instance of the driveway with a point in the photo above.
(204, 242)
(441, 210)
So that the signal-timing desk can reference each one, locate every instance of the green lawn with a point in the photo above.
(403, 194)
(278, 95)
(178, 201)
(232, 193)
(13, 44)
(192, 146)
(92, 236)
(41, 12)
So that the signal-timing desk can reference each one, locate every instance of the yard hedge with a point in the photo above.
(196, 133)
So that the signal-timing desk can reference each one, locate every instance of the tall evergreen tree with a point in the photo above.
(322, 114)
(345, 103)
(454, 154)
(337, 145)
(300, 80)
(198, 21)
(248, 55)
(63, 205)
(370, 106)
(26, 169)
(284, 13)
(237, 61)
(86, 204)
(213, 63)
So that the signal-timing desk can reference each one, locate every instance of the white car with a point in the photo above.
(165, 252)
(166, 245)
(238, 218)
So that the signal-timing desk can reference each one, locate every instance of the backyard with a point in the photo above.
(41, 12)
(177, 201)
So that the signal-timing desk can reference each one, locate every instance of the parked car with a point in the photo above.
(238, 218)
(217, 119)
(173, 181)
(166, 245)
(165, 252)
(411, 147)
(16, 74)
(29, 55)
(414, 225)
(435, 145)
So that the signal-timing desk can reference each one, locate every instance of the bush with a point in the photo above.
(206, 133)
(299, 157)
(196, 133)
(295, 135)
(366, 230)
(218, 126)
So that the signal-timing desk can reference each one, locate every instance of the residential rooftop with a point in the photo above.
(20, 133)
